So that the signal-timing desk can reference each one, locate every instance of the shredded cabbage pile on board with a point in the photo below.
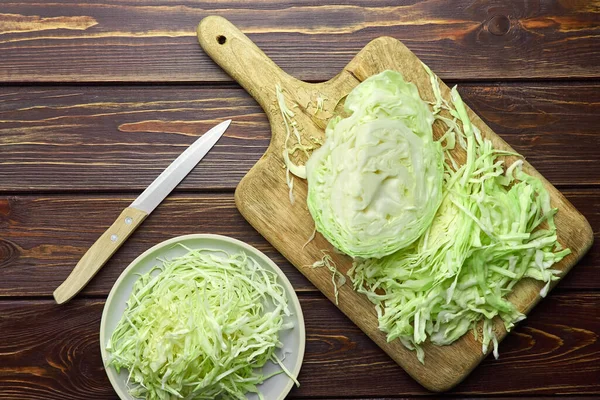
(376, 183)
(493, 228)
(201, 328)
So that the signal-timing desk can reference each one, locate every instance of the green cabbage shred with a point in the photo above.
(291, 127)
(201, 326)
(337, 278)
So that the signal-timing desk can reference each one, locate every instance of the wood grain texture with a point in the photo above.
(43, 237)
(262, 195)
(121, 138)
(46, 359)
(117, 138)
(84, 152)
(154, 40)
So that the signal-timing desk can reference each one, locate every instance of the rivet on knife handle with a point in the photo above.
(99, 253)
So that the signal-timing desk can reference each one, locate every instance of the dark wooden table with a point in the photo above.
(97, 98)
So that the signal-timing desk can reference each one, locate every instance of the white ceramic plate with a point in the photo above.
(274, 388)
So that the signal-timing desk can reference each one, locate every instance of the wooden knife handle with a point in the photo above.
(100, 252)
(242, 59)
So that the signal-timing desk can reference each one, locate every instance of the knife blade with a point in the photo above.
(110, 241)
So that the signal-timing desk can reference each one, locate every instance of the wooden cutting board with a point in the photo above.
(262, 195)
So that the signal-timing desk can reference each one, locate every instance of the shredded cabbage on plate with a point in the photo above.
(200, 326)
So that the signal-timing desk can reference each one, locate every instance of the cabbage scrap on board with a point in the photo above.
(376, 183)
(201, 328)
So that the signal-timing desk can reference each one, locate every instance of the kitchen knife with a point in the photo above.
(136, 213)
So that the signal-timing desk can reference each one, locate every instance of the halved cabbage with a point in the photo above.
(376, 183)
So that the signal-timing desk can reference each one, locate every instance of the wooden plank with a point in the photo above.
(154, 40)
(52, 352)
(107, 138)
(117, 138)
(44, 237)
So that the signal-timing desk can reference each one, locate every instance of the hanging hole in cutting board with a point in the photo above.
(221, 39)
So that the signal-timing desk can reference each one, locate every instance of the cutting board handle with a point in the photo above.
(242, 59)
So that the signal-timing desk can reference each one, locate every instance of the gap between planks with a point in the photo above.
(199, 191)
(226, 84)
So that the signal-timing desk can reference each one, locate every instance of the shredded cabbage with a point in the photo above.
(375, 184)
(337, 278)
(493, 228)
(201, 328)
(291, 126)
